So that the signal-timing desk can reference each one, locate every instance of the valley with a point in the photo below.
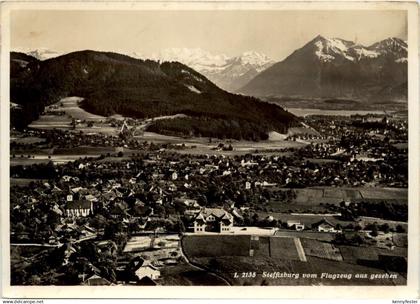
(128, 171)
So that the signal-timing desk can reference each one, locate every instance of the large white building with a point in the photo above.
(213, 220)
(81, 208)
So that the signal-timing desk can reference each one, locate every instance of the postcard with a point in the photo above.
(210, 149)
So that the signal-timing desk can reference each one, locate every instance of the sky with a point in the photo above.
(274, 33)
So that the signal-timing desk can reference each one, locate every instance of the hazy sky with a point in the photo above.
(275, 33)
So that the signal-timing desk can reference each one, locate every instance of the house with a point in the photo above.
(95, 280)
(118, 212)
(213, 220)
(147, 270)
(298, 226)
(325, 226)
(79, 208)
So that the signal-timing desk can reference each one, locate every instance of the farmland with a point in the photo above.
(202, 245)
(276, 260)
(321, 250)
(184, 274)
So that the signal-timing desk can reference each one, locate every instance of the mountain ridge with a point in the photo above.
(334, 67)
(112, 83)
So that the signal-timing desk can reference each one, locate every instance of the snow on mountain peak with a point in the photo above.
(330, 49)
(227, 72)
(255, 59)
(40, 53)
(194, 57)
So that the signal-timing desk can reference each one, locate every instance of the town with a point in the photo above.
(128, 209)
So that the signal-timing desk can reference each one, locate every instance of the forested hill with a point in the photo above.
(117, 84)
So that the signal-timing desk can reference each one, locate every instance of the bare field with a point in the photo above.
(316, 195)
(216, 245)
(284, 248)
(70, 105)
(321, 250)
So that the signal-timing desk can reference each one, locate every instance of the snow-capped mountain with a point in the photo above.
(334, 67)
(41, 53)
(229, 73)
(329, 49)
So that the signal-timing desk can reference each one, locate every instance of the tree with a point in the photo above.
(385, 227)
(357, 227)
(400, 229)
(357, 239)
(181, 227)
(374, 231)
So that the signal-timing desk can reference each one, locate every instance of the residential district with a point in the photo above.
(144, 212)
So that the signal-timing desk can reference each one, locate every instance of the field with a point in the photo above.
(313, 235)
(23, 181)
(215, 246)
(70, 108)
(61, 114)
(305, 219)
(45, 158)
(352, 254)
(336, 195)
(27, 140)
(187, 275)
(283, 248)
(321, 250)
(314, 199)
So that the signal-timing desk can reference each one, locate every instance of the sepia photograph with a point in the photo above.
(208, 147)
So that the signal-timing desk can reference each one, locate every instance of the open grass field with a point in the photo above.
(70, 105)
(44, 158)
(27, 140)
(384, 193)
(283, 248)
(313, 235)
(187, 275)
(216, 245)
(308, 220)
(316, 195)
(321, 250)
(23, 181)
(240, 245)
(301, 131)
(352, 254)
(315, 199)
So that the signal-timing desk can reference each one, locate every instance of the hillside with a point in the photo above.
(336, 68)
(111, 83)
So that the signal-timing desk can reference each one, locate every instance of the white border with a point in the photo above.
(290, 292)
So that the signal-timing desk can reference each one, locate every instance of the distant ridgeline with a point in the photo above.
(117, 84)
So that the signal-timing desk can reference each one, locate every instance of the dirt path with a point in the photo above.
(300, 250)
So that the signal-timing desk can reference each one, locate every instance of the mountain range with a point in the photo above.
(337, 68)
(112, 83)
(229, 73)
